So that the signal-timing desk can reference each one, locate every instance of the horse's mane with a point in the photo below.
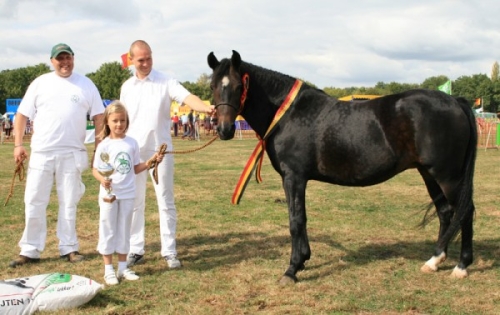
(270, 78)
(273, 79)
(262, 73)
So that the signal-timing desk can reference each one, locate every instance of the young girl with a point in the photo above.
(115, 217)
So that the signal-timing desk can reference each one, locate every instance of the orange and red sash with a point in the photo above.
(254, 163)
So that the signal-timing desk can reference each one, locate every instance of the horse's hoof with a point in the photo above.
(287, 281)
(427, 269)
(459, 273)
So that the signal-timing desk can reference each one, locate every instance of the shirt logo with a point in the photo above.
(75, 98)
(122, 162)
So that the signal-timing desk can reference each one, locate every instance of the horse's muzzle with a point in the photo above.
(226, 131)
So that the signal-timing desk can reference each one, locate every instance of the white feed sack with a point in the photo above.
(44, 292)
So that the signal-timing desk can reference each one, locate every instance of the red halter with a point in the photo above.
(245, 79)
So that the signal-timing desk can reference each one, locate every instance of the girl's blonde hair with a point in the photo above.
(114, 107)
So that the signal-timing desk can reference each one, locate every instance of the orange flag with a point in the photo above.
(125, 60)
(477, 102)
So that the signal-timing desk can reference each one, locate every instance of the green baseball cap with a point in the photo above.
(60, 48)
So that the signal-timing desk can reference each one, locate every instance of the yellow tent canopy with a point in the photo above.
(177, 108)
(358, 97)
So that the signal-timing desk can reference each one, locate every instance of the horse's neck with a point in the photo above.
(271, 85)
(267, 91)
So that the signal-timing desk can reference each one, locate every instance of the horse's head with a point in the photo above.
(227, 89)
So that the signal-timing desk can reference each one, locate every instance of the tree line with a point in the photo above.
(110, 76)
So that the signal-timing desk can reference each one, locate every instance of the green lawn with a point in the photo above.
(367, 248)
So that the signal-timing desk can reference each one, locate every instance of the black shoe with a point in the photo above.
(73, 257)
(23, 260)
(134, 259)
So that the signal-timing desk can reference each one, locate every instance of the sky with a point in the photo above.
(329, 43)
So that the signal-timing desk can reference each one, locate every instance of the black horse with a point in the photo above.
(317, 137)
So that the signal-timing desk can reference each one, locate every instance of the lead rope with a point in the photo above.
(20, 172)
(152, 164)
(193, 150)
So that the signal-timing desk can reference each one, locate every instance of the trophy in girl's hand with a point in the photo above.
(106, 169)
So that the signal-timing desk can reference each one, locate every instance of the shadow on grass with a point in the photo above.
(485, 250)
(203, 253)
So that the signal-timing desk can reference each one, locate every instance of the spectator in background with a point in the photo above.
(28, 127)
(7, 126)
(180, 123)
(184, 121)
(190, 125)
(213, 123)
(206, 124)
(175, 124)
(2, 121)
(60, 101)
(197, 123)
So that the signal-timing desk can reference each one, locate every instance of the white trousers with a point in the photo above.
(166, 207)
(114, 226)
(67, 169)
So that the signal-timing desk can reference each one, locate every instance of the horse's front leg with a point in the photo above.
(295, 191)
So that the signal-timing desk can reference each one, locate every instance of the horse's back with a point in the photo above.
(366, 143)
(438, 123)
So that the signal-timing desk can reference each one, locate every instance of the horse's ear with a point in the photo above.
(236, 60)
(212, 61)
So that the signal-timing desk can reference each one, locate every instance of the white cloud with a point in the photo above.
(329, 43)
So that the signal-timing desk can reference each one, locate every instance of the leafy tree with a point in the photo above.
(395, 87)
(473, 87)
(110, 76)
(201, 88)
(432, 83)
(494, 72)
(14, 83)
(109, 79)
(495, 97)
(335, 92)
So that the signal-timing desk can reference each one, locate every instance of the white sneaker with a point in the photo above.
(172, 262)
(128, 275)
(110, 279)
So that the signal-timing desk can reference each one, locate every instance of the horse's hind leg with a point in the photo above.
(295, 189)
(445, 212)
(466, 255)
(445, 202)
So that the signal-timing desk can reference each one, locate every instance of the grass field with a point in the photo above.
(367, 248)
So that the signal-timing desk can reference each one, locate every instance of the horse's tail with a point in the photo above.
(467, 186)
(465, 205)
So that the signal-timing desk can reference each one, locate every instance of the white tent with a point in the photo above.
(90, 136)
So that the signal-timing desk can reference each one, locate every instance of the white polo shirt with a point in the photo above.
(59, 107)
(148, 104)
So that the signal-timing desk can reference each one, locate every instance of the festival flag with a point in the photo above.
(126, 60)
(477, 102)
(446, 87)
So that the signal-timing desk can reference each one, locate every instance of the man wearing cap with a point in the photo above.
(58, 104)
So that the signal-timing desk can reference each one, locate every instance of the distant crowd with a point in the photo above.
(7, 127)
(191, 124)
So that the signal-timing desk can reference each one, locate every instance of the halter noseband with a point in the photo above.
(245, 80)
